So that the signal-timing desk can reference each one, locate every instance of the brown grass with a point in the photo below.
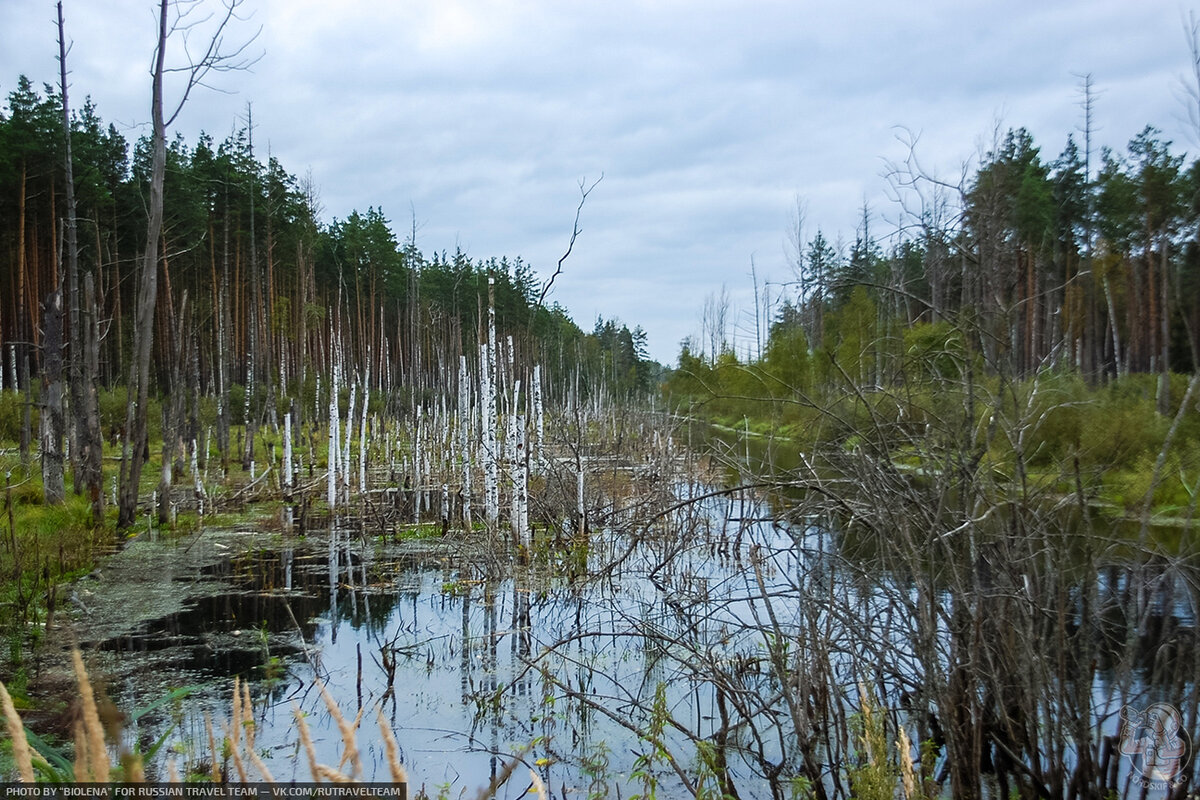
(16, 732)
(93, 764)
(399, 774)
(91, 754)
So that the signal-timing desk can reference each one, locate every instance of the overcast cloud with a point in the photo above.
(707, 119)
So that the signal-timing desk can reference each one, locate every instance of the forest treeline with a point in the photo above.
(1039, 262)
(1057, 297)
(1030, 262)
(244, 250)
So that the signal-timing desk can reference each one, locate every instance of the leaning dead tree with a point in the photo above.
(195, 70)
(51, 417)
(584, 191)
(83, 339)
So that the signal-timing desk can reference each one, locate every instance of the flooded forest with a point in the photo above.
(289, 500)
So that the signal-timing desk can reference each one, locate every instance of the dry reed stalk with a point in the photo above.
(346, 754)
(82, 768)
(347, 731)
(908, 774)
(505, 773)
(215, 771)
(97, 758)
(236, 735)
(307, 741)
(539, 785)
(332, 775)
(399, 774)
(233, 752)
(865, 700)
(246, 723)
(260, 766)
(16, 732)
(133, 769)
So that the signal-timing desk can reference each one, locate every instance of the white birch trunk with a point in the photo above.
(197, 480)
(249, 389)
(579, 507)
(344, 463)
(510, 440)
(510, 458)
(283, 362)
(488, 388)
(417, 463)
(222, 394)
(426, 469)
(445, 508)
(334, 438)
(464, 437)
(511, 375)
(287, 454)
(538, 415)
(520, 477)
(362, 436)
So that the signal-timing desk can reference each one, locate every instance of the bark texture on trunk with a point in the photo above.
(135, 443)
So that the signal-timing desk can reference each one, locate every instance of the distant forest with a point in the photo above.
(243, 239)
(1086, 262)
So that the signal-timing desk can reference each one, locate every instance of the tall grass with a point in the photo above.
(92, 762)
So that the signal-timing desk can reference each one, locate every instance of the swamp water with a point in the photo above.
(650, 660)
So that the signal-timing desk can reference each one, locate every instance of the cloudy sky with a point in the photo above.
(479, 119)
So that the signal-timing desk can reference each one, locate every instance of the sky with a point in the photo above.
(476, 122)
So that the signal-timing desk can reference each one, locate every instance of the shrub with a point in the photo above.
(12, 411)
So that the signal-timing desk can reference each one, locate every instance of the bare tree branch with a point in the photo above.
(584, 191)
(215, 57)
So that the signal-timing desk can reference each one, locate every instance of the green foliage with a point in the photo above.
(1054, 427)
(872, 776)
(1120, 426)
(12, 413)
(594, 765)
(933, 351)
(850, 338)
(708, 785)
(800, 788)
(1172, 491)
(786, 364)
(113, 405)
(647, 762)
(40, 546)
(692, 380)
(218, 196)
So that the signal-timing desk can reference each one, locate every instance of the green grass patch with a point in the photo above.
(424, 530)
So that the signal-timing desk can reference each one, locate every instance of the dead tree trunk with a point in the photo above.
(22, 327)
(134, 452)
(254, 349)
(223, 325)
(83, 369)
(51, 421)
(135, 443)
(71, 262)
(91, 457)
(173, 412)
